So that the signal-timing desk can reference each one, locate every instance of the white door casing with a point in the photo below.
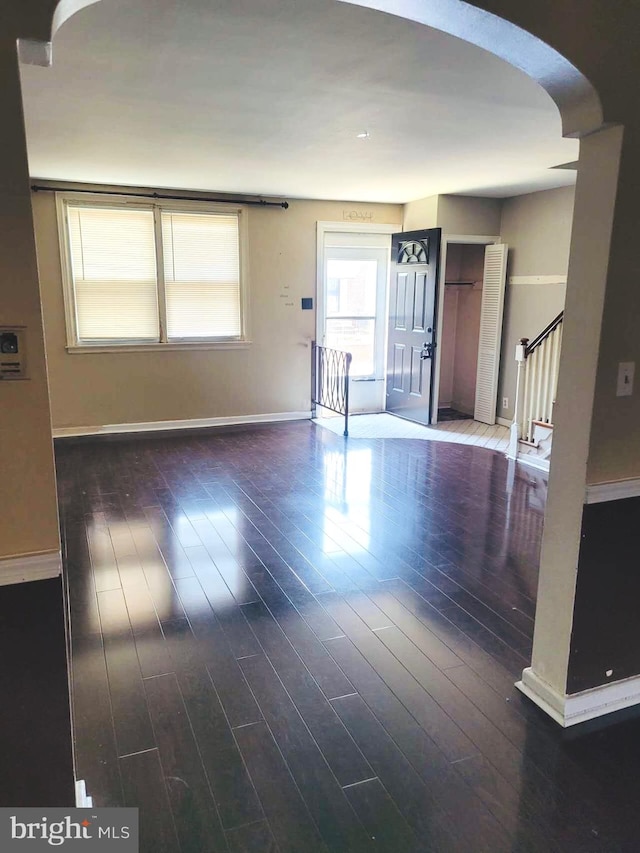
(342, 239)
(464, 239)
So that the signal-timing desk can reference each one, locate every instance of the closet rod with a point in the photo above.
(257, 202)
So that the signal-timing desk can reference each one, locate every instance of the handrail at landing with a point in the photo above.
(544, 334)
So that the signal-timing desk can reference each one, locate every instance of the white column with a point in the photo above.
(545, 681)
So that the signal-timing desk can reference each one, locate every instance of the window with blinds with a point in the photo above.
(151, 274)
(202, 275)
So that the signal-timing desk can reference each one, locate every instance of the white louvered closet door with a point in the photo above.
(493, 284)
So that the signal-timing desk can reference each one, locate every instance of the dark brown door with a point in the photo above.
(415, 257)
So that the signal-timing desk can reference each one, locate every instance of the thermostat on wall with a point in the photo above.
(13, 356)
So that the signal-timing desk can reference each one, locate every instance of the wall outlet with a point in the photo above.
(505, 402)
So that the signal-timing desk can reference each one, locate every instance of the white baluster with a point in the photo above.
(527, 399)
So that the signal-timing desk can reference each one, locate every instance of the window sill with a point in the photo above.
(173, 347)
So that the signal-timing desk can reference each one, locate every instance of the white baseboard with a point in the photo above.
(571, 709)
(32, 567)
(533, 461)
(603, 492)
(193, 423)
(504, 422)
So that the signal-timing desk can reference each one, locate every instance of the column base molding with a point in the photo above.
(571, 709)
(33, 567)
(83, 800)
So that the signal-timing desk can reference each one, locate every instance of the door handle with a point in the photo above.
(427, 350)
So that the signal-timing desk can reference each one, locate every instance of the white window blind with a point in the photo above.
(150, 273)
(113, 266)
(202, 275)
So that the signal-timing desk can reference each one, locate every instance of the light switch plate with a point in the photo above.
(626, 370)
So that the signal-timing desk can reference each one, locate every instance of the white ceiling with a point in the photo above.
(267, 96)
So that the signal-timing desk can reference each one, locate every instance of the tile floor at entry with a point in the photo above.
(282, 641)
(383, 425)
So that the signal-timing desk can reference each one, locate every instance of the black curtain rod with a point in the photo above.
(258, 202)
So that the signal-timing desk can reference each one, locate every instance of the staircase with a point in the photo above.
(537, 380)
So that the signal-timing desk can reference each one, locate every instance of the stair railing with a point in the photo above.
(330, 381)
(536, 382)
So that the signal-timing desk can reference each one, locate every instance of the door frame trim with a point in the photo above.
(470, 240)
(345, 227)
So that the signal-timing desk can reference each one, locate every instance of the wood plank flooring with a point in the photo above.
(285, 641)
(36, 767)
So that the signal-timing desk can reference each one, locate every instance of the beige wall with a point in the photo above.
(537, 229)
(454, 214)
(271, 376)
(459, 214)
(28, 521)
(422, 213)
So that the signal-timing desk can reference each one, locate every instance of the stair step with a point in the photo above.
(542, 424)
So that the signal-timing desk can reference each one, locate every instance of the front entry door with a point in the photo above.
(411, 341)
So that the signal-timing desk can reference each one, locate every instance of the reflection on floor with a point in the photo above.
(282, 641)
(383, 425)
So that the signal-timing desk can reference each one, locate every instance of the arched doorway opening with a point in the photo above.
(581, 112)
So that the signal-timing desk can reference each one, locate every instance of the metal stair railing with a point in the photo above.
(330, 381)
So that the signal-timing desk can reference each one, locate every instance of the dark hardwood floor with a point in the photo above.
(282, 641)
(36, 767)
